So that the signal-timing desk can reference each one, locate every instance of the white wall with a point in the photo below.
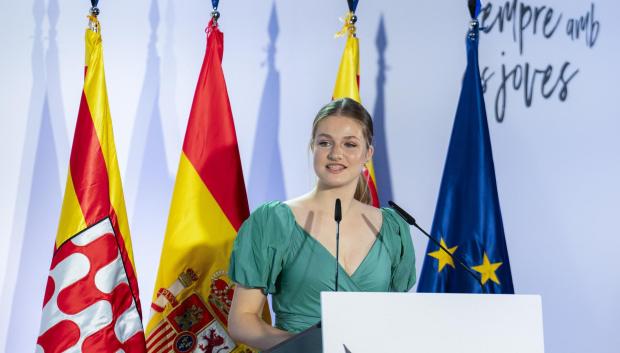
(557, 162)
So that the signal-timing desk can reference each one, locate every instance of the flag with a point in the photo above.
(193, 293)
(468, 220)
(348, 85)
(91, 301)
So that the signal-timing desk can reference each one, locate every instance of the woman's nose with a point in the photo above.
(335, 153)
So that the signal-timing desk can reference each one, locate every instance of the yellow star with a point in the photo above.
(442, 256)
(487, 270)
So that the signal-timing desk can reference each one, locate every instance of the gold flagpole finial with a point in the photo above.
(348, 25)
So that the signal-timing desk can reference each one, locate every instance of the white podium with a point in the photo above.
(433, 323)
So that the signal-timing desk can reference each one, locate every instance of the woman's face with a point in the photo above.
(340, 151)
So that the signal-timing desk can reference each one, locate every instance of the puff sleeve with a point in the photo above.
(260, 248)
(401, 251)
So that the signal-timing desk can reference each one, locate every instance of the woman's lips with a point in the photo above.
(335, 168)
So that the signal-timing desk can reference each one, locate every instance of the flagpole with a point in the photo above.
(352, 5)
(474, 7)
(215, 14)
(94, 12)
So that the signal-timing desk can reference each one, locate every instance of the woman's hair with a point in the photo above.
(349, 108)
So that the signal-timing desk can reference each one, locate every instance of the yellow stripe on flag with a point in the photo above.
(348, 74)
(208, 205)
(198, 236)
(96, 94)
(371, 171)
(93, 207)
(347, 85)
(71, 218)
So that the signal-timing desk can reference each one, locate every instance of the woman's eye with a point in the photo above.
(323, 143)
(350, 144)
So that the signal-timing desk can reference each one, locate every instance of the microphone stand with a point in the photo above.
(410, 220)
(337, 218)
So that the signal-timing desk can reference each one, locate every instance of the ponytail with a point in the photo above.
(362, 192)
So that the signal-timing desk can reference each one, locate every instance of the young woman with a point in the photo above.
(288, 248)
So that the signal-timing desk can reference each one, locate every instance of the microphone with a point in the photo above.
(406, 216)
(337, 218)
(409, 219)
(338, 212)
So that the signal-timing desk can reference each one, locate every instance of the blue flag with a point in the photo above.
(468, 220)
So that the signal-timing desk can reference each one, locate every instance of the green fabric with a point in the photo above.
(274, 253)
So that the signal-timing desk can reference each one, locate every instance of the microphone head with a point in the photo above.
(406, 216)
(338, 211)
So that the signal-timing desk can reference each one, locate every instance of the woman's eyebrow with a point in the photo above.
(350, 137)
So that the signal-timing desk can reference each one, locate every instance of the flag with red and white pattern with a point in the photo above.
(91, 301)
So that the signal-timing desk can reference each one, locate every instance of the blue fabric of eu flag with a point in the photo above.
(468, 220)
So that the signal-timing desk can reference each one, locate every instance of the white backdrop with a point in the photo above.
(557, 160)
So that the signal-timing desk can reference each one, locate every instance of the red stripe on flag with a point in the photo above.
(210, 141)
(88, 169)
(155, 332)
(164, 343)
(374, 195)
(90, 181)
(165, 350)
(162, 327)
(150, 343)
(157, 308)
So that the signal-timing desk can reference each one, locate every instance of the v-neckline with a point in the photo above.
(374, 243)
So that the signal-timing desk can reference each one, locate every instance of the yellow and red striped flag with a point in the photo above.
(193, 293)
(348, 85)
(91, 301)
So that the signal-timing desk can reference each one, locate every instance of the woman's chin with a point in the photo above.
(335, 182)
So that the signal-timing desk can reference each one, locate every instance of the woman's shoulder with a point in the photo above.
(371, 215)
(391, 217)
(299, 202)
(270, 224)
(272, 212)
(298, 207)
(261, 246)
(268, 207)
(394, 224)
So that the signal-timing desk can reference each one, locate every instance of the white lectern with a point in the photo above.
(433, 323)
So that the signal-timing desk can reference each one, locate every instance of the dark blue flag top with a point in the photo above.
(467, 219)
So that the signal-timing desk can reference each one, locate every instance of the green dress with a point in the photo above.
(274, 253)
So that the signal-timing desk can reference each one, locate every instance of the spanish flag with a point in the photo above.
(193, 293)
(348, 85)
(91, 299)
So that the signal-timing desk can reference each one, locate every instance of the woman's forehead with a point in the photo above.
(339, 126)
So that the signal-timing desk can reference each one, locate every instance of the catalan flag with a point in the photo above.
(193, 293)
(91, 300)
(348, 85)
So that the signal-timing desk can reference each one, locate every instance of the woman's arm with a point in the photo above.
(245, 323)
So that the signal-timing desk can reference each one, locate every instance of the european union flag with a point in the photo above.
(468, 220)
